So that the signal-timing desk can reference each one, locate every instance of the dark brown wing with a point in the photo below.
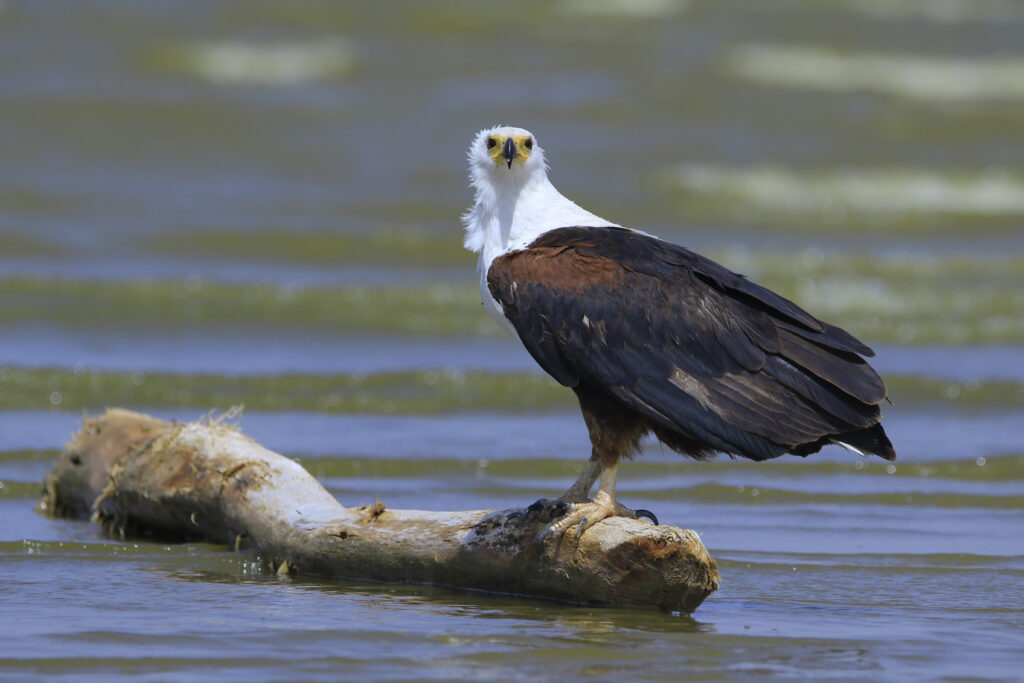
(688, 343)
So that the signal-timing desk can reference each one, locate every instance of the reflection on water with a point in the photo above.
(207, 204)
(869, 193)
(779, 612)
(635, 9)
(899, 75)
(260, 63)
(943, 11)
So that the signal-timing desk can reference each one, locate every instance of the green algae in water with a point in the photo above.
(1002, 468)
(410, 246)
(257, 63)
(408, 392)
(883, 301)
(904, 201)
(423, 392)
(28, 455)
(19, 490)
(1008, 467)
(384, 246)
(26, 245)
(766, 495)
(428, 309)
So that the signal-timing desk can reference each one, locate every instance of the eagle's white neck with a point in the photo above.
(515, 208)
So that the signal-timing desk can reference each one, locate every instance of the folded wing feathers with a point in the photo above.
(766, 376)
(830, 336)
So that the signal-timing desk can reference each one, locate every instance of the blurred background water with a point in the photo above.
(212, 203)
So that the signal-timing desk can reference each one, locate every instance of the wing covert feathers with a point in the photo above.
(706, 355)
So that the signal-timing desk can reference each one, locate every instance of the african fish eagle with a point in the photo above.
(653, 337)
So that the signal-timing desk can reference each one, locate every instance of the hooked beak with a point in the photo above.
(508, 152)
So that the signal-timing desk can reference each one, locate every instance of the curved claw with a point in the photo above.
(582, 525)
(547, 534)
(648, 514)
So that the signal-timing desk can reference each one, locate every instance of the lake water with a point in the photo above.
(210, 204)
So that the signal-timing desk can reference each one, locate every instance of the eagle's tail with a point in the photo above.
(872, 440)
(868, 441)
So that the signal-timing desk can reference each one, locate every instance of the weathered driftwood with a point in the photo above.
(134, 473)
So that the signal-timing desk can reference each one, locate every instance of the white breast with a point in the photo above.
(511, 214)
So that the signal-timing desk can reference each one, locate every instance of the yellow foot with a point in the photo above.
(581, 516)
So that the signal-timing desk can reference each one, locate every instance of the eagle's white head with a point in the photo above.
(515, 202)
(504, 155)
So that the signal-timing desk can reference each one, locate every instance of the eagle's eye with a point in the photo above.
(491, 143)
(529, 143)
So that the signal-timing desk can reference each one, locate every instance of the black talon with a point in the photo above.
(579, 527)
(648, 514)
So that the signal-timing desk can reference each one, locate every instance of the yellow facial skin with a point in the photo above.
(504, 150)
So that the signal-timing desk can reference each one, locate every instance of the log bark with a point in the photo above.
(136, 474)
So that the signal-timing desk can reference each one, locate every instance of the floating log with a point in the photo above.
(138, 475)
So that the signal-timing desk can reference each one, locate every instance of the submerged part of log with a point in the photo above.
(136, 474)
